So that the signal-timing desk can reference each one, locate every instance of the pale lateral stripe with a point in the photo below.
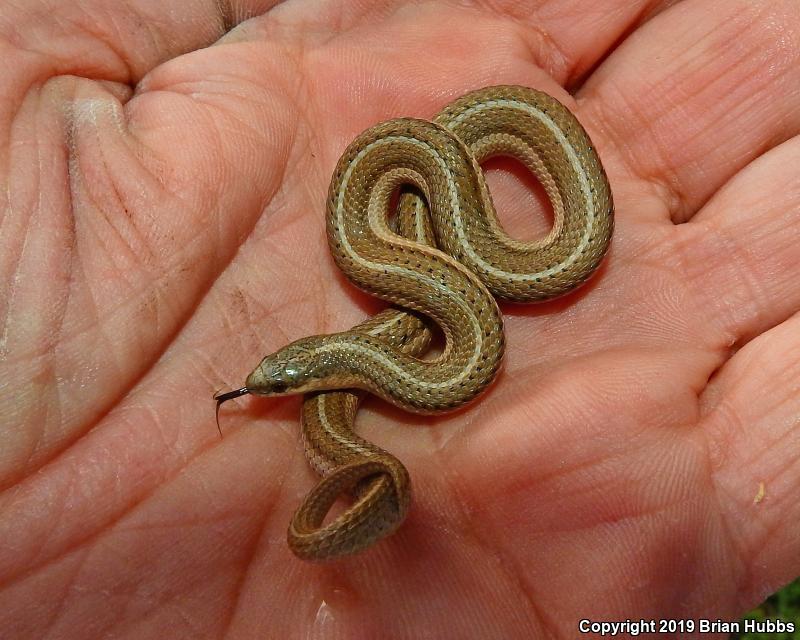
(478, 332)
(574, 161)
(344, 441)
(376, 355)
(383, 326)
(418, 213)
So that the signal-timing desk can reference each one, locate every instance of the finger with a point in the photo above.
(116, 221)
(738, 256)
(696, 94)
(118, 41)
(751, 420)
(565, 38)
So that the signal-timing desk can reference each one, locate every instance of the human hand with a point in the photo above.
(163, 229)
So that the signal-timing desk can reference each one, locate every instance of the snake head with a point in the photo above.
(297, 368)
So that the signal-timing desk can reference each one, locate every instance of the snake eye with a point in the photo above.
(279, 386)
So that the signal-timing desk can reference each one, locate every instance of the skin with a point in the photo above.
(165, 173)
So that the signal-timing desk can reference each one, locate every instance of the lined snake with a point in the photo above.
(444, 259)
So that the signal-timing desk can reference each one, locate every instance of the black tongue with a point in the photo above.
(229, 395)
(223, 397)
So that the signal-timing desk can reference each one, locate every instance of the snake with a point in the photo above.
(443, 261)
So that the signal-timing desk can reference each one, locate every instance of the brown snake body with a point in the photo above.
(448, 261)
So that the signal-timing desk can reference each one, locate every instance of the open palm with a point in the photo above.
(163, 228)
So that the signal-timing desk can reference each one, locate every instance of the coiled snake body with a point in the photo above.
(447, 261)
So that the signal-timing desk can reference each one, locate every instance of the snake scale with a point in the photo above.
(443, 259)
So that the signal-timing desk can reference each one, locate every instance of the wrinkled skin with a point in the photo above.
(165, 172)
